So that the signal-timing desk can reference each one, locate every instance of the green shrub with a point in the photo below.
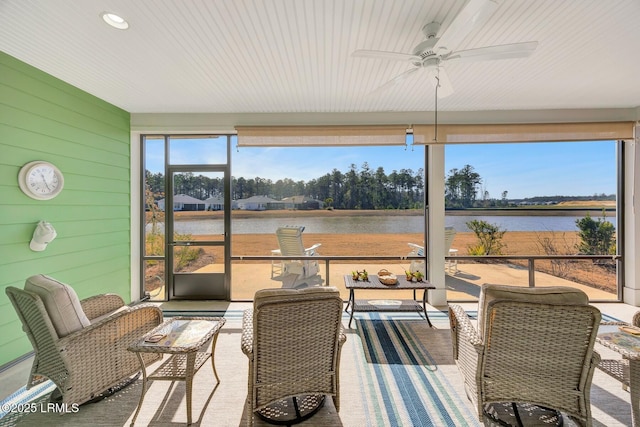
(597, 236)
(476, 250)
(184, 255)
(489, 238)
(154, 244)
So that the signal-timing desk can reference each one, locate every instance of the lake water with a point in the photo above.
(377, 224)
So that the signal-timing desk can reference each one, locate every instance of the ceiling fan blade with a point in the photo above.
(505, 51)
(381, 54)
(473, 15)
(438, 77)
(394, 81)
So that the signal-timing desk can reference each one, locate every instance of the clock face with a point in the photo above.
(41, 180)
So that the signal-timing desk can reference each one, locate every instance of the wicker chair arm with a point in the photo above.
(468, 350)
(97, 356)
(121, 322)
(99, 305)
(636, 319)
(460, 320)
(246, 341)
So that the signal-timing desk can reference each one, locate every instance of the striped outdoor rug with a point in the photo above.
(402, 356)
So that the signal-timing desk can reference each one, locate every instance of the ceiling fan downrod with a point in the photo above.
(435, 133)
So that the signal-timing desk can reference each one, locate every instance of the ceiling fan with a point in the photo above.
(432, 54)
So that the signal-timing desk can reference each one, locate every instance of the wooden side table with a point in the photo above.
(186, 339)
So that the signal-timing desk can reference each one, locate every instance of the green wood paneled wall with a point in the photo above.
(43, 118)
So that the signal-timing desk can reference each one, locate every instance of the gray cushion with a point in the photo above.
(544, 295)
(265, 296)
(61, 302)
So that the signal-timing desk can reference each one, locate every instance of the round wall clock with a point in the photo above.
(40, 180)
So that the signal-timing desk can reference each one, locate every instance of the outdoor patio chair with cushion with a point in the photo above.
(531, 346)
(296, 273)
(80, 345)
(417, 250)
(293, 340)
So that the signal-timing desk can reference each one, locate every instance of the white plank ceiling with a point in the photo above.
(285, 56)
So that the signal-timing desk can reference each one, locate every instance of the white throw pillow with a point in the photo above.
(61, 302)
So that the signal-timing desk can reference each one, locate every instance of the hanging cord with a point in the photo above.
(435, 139)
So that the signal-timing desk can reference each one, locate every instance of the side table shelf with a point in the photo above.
(175, 367)
(399, 305)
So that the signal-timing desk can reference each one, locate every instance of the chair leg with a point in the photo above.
(249, 411)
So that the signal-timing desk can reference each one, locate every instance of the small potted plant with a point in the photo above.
(354, 275)
(418, 275)
(364, 276)
(408, 275)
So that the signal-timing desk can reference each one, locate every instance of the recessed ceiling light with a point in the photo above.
(114, 20)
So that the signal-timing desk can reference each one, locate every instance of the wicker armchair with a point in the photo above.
(84, 353)
(293, 340)
(532, 345)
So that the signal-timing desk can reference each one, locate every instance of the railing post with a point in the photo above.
(532, 271)
(326, 264)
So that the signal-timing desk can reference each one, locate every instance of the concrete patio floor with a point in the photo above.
(462, 285)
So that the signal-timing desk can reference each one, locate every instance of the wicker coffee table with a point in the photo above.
(386, 305)
(186, 339)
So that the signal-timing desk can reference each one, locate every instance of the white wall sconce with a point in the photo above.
(42, 236)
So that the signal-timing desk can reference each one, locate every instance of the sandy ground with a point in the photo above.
(516, 243)
(249, 276)
(462, 283)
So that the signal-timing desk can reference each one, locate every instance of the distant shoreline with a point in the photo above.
(551, 211)
(594, 212)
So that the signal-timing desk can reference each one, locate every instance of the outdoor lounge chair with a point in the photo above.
(417, 250)
(80, 345)
(293, 340)
(296, 273)
(533, 348)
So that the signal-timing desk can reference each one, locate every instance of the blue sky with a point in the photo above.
(540, 169)
(523, 170)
